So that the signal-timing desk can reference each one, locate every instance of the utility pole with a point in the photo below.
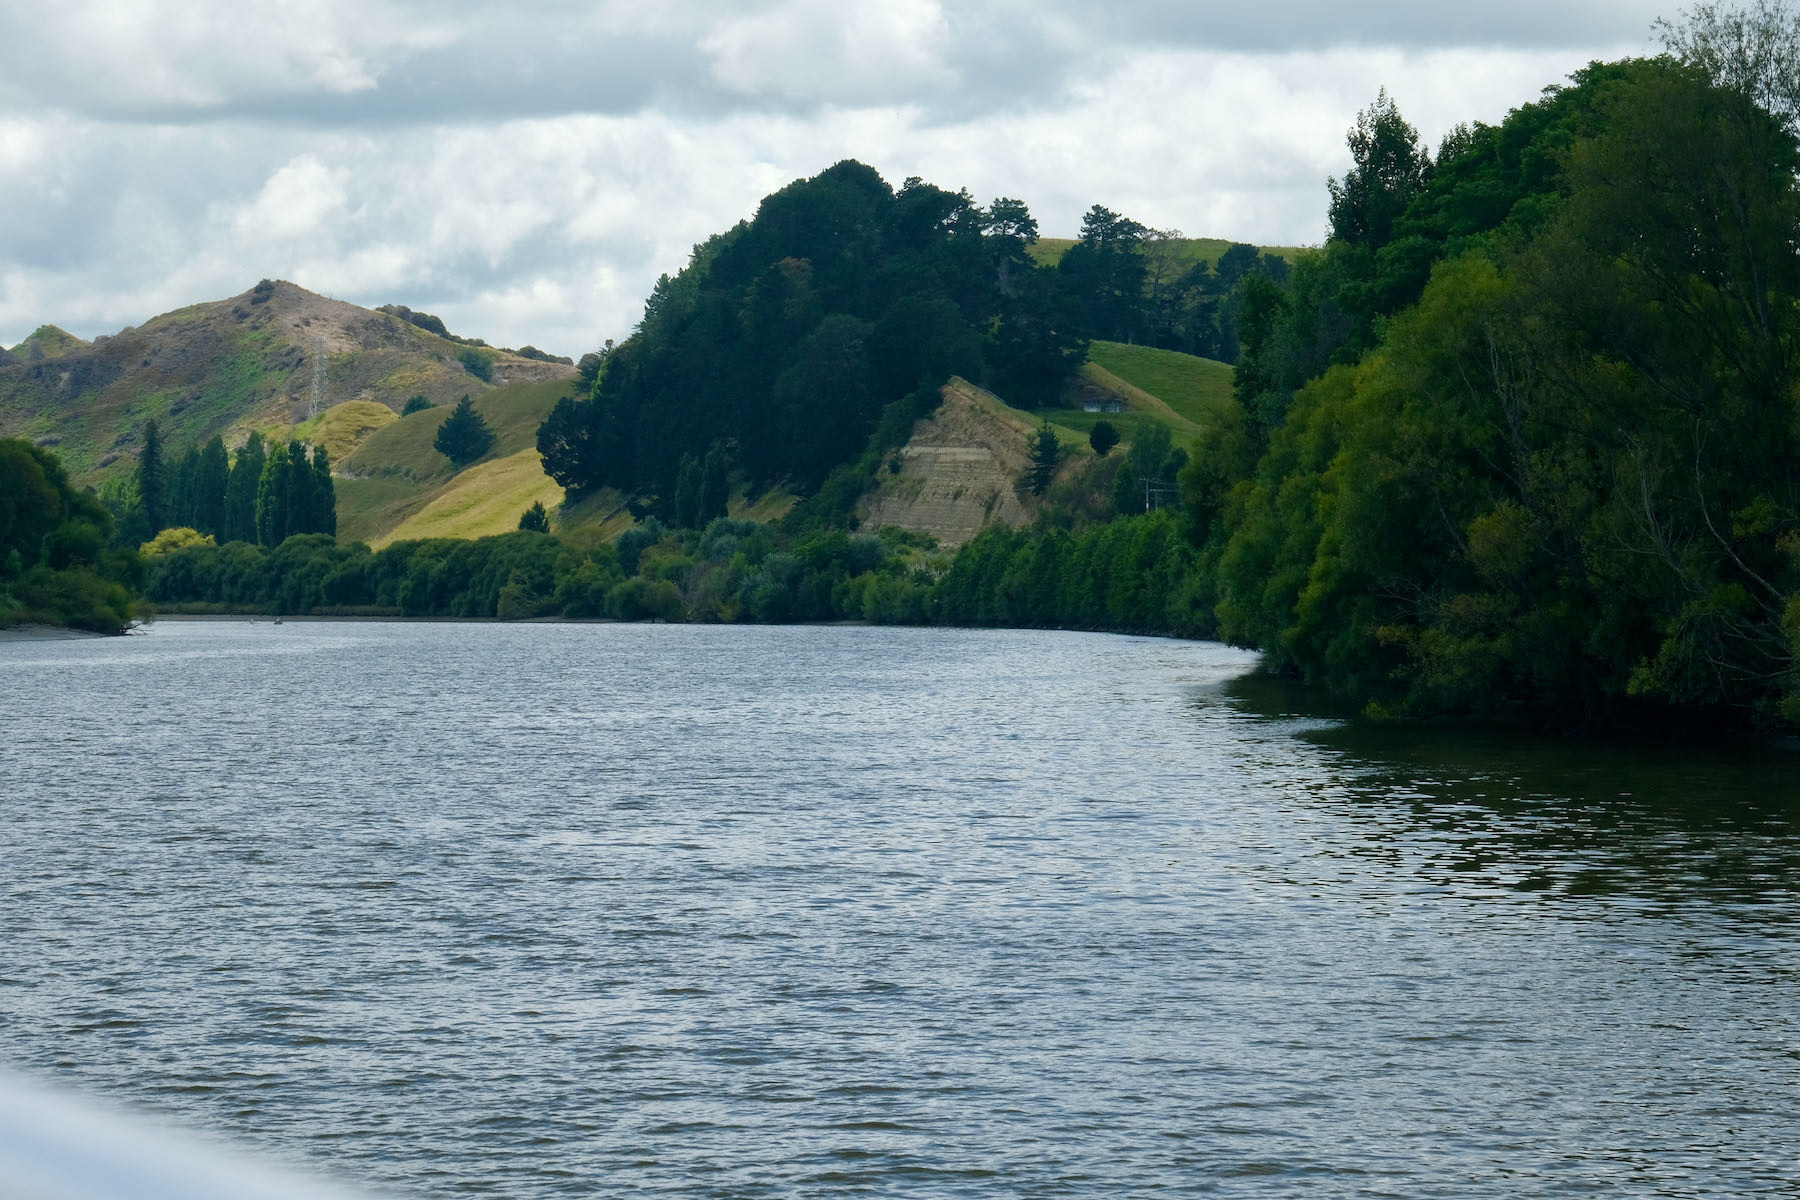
(316, 403)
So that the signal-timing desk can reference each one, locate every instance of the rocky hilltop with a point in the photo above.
(230, 365)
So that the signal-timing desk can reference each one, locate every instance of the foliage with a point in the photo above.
(535, 519)
(176, 537)
(416, 404)
(464, 435)
(56, 566)
(1103, 437)
(1046, 452)
(1558, 480)
(477, 362)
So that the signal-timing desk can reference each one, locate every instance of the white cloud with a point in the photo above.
(526, 173)
(882, 51)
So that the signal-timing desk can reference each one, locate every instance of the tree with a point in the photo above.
(477, 362)
(152, 481)
(1390, 170)
(416, 404)
(301, 505)
(1045, 451)
(535, 519)
(272, 491)
(1103, 437)
(324, 494)
(464, 436)
(240, 492)
(212, 477)
(715, 485)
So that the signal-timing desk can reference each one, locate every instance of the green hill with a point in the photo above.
(1196, 388)
(226, 367)
(396, 484)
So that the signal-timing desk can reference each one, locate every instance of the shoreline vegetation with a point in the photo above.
(1520, 442)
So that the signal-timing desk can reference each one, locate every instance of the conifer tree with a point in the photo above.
(535, 519)
(464, 436)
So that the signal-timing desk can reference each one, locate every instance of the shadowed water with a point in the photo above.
(558, 909)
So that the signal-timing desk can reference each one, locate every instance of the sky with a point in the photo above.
(527, 170)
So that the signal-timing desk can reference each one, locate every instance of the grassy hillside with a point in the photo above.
(485, 499)
(1196, 388)
(395, 484)
(1188, 251)
(226, 367)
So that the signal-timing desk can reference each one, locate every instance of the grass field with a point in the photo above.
(405, 449)
(1197, 389)
(488, 498)
(396, 485)
(1188, 251)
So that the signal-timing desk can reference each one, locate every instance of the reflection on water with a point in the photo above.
(543, 910)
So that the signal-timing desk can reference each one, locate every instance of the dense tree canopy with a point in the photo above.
(1530, 446)
(55, 564)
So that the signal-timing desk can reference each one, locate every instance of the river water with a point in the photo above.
(544, 910)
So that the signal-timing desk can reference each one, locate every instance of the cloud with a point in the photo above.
(528, 172)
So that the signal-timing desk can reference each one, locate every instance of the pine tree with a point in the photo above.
(152, 481)
(535, 519)
(241, 489)
(464, 436)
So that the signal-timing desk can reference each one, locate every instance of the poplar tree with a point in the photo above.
(152, 480)
(241, 491)
(324, 494)
(272, 498)
(211, 479)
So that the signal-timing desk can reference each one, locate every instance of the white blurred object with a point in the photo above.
(54, 1147)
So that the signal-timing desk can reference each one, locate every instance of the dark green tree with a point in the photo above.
(416, 404)
(477, 362)
(152, 482)
(241, 491)
(212, 476)
(1103, 437)
(1046, 451)
(715, 484)
(324, 494)
(464, 436)
(272, 492)
(301, 507)
(1391, 168)
(535, 519)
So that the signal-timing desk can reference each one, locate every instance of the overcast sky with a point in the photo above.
(526, 171)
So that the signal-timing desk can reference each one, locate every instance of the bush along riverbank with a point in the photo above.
(1130, 575)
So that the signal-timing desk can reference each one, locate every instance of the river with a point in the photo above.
(542, 910)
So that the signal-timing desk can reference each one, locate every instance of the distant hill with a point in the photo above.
(228, 366)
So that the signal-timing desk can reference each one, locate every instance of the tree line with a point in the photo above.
(262, 494)
(1521, 439)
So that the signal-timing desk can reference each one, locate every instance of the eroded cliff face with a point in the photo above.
(958, 473)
